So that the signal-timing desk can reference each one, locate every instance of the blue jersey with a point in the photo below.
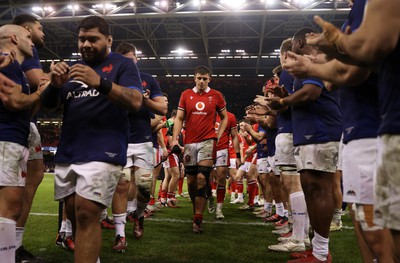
(318, 121)
(271, 135)
(14, 125)
(94, 128)
(359, 104)
(262, 149)
(284, 119)
(140, 121)
(32, 63)
(389, 93)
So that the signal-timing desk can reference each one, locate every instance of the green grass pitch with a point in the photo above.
(240, 237)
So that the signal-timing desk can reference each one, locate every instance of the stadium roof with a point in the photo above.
(232, 37)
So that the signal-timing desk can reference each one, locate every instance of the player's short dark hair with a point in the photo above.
(91, 22)
(165, 94)
(301, 34)
(24, 18)
(125, 47)
(202, 70)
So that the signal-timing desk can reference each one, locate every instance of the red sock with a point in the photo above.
(152, 201)
(239, 186)
(170, 195)
(233, 187)
(164, 194)
(180, 186)
(252, 184)
(213, 184)
(160, 191)
(221, 191)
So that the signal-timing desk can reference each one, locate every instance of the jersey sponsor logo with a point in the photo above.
(111, 155)
(83, 85)
(107, 69)
(82, 94)
(200, 105)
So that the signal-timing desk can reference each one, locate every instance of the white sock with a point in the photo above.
(337, 214)
(103, 214)
(98, 260)
(320, 247)
(279, 209)
(132, 206)
(68, 228)
(7, 240)
(268, 207)
(19, 233)
(119, 222)
(299, 214)
(63, 226)
(240, 196)
(219, 206)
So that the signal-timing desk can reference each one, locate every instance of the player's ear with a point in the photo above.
(109, 41)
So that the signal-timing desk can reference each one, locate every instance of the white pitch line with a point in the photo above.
(174, 220)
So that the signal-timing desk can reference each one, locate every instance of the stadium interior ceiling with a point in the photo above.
(234, 38)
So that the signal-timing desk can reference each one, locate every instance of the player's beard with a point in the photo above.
(92, 57)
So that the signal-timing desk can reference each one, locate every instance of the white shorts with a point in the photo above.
(245, 167)
(34, 143)
(263, 166)
(284, 153)
(340, 154)
(172, 161)
(140, 155)
(319, 157)
(197, 152)
(222, 158)
(95, 181)
(232, 163)
(359, 166)
(13, 159)
(387, 183)
(273, 167)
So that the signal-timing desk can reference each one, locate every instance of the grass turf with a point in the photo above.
(240, 237)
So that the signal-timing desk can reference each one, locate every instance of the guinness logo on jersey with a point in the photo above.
(200, 106)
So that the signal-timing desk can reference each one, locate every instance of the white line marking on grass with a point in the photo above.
(174, 220)
(43, 214)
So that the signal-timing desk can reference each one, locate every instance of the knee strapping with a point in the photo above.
(143, 180)
(287, 168)
(204, 192)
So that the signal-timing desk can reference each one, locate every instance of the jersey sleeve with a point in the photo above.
(155, 90)
(221, 104)
(11, 72)
(129, 76)
(182, 102)
(232, 121)
(314, 81)
(31, 63)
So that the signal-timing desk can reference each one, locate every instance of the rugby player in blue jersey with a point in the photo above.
(97, 92)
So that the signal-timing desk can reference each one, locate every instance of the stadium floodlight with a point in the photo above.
(131, 4)
(199, 2)
(225, 51)
(74, 7)
(105, 6)
(234, 4)
(181, 51)
(41, 9)
(240, 51)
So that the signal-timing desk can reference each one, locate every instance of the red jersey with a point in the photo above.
(223, 142)
(245, 146)
(200, 112)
